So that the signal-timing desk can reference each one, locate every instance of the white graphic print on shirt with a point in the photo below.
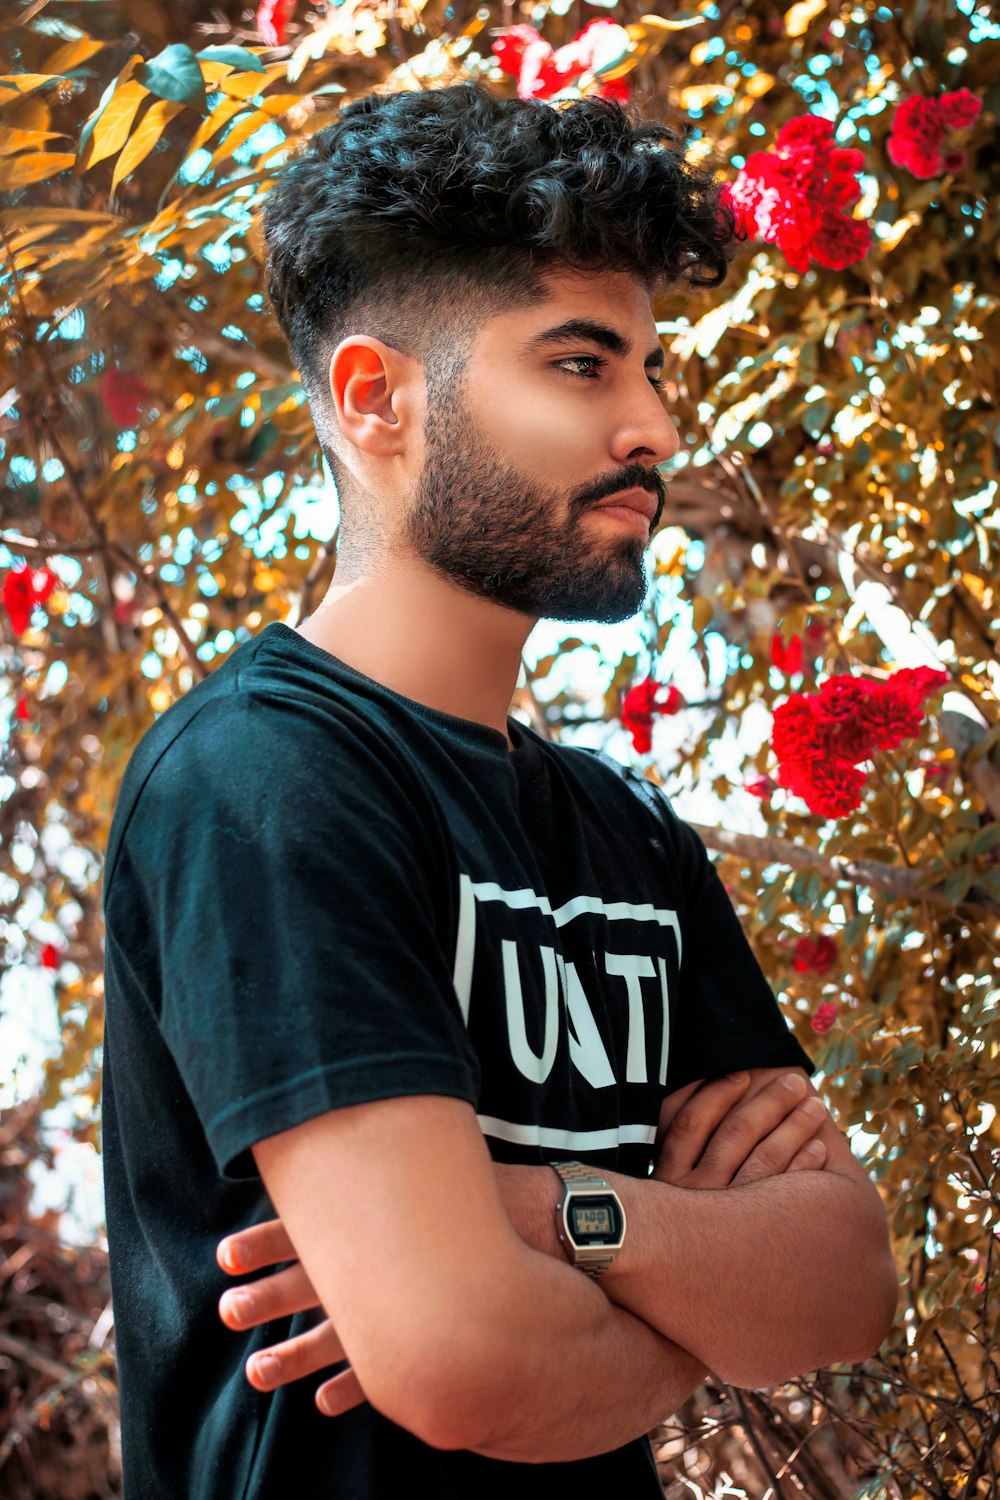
(569, 1011)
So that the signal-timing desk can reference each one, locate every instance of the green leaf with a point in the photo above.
(987, 838)
(956, 887)
(239, 57)
(174, 74)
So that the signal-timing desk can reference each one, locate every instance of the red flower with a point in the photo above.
(824, 1016)
(640, 704)
(816, 955)
(793, 733)
(614, 88)
(22, 590)
(840, 709)
(819, 738)
(919, 127)
(22, 710)
(50, 956)
(272, 18)
(541, 72)
(760, 786)
(829, 788)
(124, 396)
(786, 658)
(795, 196)
(959, 109)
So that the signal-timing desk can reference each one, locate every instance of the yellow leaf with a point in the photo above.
(36, 166)
(703, 612)
(111, 130)
(70, 54)
(23, 82)
(240, 132)
(145, 138)
(700, 94)
(20, 140)
(758, 84)
(24, 111)
(897, 231)
(215, 121)
(245, 85)
(799, 16)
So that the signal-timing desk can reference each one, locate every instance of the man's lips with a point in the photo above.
(640, 501)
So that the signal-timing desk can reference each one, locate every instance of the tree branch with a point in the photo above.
(836, 867)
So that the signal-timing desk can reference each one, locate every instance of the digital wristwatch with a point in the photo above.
(590, 1218)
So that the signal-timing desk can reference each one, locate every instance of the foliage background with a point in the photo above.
(157, 454)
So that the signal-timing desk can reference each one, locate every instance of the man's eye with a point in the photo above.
(598, 363)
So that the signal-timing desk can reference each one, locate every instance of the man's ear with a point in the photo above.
(376, 391)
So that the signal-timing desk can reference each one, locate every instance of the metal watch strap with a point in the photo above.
(593, 1262)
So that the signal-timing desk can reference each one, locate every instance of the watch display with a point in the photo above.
(595, 1221)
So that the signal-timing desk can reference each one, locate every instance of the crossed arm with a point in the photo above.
(463, 1321)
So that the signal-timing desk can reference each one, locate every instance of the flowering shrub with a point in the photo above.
(819, 738)
(920, 126)
(641, 703)
(796, 196)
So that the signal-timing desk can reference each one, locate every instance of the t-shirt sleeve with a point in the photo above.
(728, 1017)
(296, 886)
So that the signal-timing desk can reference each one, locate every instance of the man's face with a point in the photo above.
(540, 430)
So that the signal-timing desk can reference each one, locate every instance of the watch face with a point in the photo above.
(595, 1220)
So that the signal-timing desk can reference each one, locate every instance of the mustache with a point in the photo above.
(646, 479)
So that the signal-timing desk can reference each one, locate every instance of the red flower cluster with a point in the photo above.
(124, 396)
(796, 196)
(541, 72)
(640, 704)
(50, 956)
(814, 955)
(824, 1016)
(920, 126)
(23, 588)
(820, 737)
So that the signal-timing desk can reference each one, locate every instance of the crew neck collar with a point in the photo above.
(469, 730)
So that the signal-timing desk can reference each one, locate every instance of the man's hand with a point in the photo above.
(711, 1135)
(279, 1296)
(717, 1135)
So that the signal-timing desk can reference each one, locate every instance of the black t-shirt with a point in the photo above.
(319, 893)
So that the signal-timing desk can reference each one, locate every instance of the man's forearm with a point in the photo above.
(760, 1283)
(586, 1378)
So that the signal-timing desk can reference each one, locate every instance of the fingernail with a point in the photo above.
(815, 1148)
(232, 1257)
(265, 1367)
(814, 1107)
(794, 1082)
(738, 1077)
(238, 1303)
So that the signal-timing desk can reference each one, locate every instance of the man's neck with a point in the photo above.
(425, 638)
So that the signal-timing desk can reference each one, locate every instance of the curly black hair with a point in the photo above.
(417, 216)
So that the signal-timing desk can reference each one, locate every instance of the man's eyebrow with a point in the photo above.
(596, 333)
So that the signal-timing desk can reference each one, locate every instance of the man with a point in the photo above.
(383, 958)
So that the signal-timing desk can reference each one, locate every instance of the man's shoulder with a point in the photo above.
(252, 741)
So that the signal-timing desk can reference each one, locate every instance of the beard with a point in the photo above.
(490, 529)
